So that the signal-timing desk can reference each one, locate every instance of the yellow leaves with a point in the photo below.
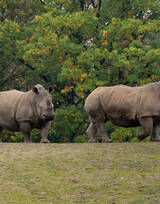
(81, 93)
(25, 59)
(100, 83)
(36, 51)
(130, 14)
(67, 25)
(155, 64)
(156, 51)
(24, 82)
(1, 36)
(67, 89)
(30, 11)
(125, 43)
(81, 96)
(37, 28)
(129, 65)
(130, 37)
(66, 37)
(154, 77)
(105, 43)
(4, 5)
(105, 34)
(61, 59)
(46, 50)
(71, 65)
(55, 23)
(83, 76)
(126, 73)
(17, 30)
(140, 36)
(37, 19)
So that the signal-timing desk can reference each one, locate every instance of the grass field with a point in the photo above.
(118, 173)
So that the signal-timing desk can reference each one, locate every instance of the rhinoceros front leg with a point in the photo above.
(91, 132)
(102, 132)
(156, 133)
(147, 127)
(44, 132)
(26, 130)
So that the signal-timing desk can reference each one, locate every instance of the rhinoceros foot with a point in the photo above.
(107, 140)
(92, 141)
(45, 140)
(27, 141)
(155, 140)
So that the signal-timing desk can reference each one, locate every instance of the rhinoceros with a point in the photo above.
(124, 106)
(23, 111)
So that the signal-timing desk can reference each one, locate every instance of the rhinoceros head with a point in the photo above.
(42, 102)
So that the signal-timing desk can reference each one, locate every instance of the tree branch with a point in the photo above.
(93, 4)
(43, 2)
(29, 66)
(82, 4)
(33, 69)
(100, 4)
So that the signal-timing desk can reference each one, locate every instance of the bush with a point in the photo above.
(124, 134)
(81, 139)
(70, 123)
(8, 136)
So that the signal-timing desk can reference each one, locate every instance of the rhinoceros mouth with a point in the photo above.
(49, 117)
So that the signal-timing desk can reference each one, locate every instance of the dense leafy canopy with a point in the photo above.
(78, 45)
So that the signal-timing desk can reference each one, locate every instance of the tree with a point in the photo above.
(78, 46)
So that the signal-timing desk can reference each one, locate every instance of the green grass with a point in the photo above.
(118, 173)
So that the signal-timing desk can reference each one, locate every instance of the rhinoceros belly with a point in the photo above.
(124, 123)
(123, 118)
(9, 125)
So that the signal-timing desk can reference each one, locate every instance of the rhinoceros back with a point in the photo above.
(120, 102)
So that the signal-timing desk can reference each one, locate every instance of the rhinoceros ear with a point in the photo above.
(51, 88)
(35, 90)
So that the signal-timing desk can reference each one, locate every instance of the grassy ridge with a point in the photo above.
(80, 173)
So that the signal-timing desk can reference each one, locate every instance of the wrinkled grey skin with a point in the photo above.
(124, 106)
(23, 111)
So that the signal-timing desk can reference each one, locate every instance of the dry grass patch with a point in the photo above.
(80, 173)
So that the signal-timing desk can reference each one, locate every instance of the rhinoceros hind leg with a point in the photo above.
(141, 135)
(102, 132)
(156, 134)
(147, 126)
(91, 132)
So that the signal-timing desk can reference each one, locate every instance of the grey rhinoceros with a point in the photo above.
(124, 106)
(23, 111)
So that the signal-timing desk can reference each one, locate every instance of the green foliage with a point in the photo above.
(12, 136)
(8, 136)
(78, 46)
(69, 125)
(124, 134)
